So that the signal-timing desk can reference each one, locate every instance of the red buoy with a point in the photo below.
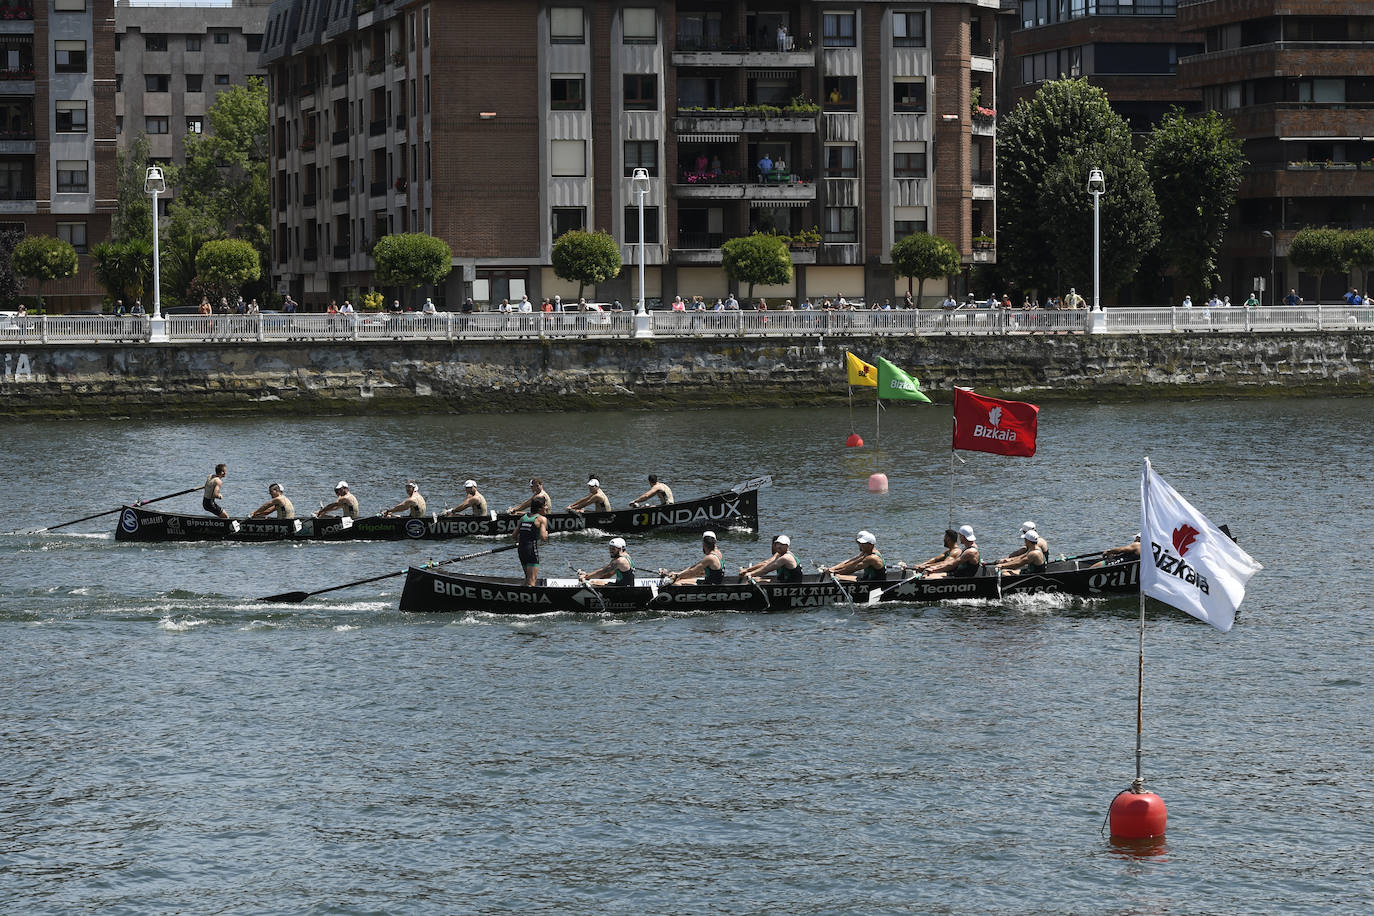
(1137, 815)
(854, 441)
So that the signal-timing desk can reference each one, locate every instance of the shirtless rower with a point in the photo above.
(1043, 544)
(344, 501)
(783, 563)
(661, 490)
(533, 528)
(536, 489)
(596, 498)
(620, 571)
(1124, 554)
(475, 502)
(952, 550)
(866, 566)
(413, 504)
(214, 491)
(709, 570)
(965, 563)
(278, 504)
(1030, 560)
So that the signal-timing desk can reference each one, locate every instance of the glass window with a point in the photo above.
(909, 160)
(565, 25)
(567, 92)
(71, 117)
(155, 41)
(841, 93)
(72, 176)
(424, 21)
(195, 124)
(195, 82)
(841, 224)
(641, 26)
(155, 82)
(221, 38)
(632, 225)
(909, 30)
(193, 42)
(69, 56)
(156, 124)
(841, 160)
(838, 30)
(567, 219)
(253, 43)
(568, 158)
(641, 92)
(74, 234)
(908, 94)
(641, 154)
(908, 221)
(221, 79)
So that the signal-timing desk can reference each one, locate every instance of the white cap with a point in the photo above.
(1030, 534)
(966, 532)
(593, 482)
(1027, 526)
(708, 534)
(341, 485)
(783, 540)
(618, 542)
(411, 485)
(469, 483)
(866, 537)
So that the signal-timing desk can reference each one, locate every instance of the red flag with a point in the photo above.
(983, 424)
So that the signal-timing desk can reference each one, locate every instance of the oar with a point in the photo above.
(141, 502)
(588, 583)
(877, 594)
(298, 597)
(836, 579)
(767, 604)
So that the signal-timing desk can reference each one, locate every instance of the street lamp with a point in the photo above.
(1097, 185)
(1273, 243)
(639, 180)
(154, 184)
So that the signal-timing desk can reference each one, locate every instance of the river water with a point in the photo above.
(171, 745)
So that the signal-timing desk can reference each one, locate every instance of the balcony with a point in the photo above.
(310, 254)
(984, 122)
(752, 119)
(698, 248)
(376, 128)
(377, 189)
(728, 52)
(341, 252)
(338, 78)
(732, 185)
(339, 195)
(307, 144)
(16, 12)
(339, 137)
(17, 198)
(308, 199)
(401, 122)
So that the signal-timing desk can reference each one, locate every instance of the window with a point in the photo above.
(841, 224)
(565, 25)
(641, 26)
(568, 158)
(567, 219)
(155, 82)
(71, 117)
(72, 176)
(221, 79)
(641, 92)
(195, 82)
(195, 124)
(119, 40)
(641, 154)
(842, 160)
(426, 93)
(221, 38)
(193, 42)
(74, 234)
(156, 124)
(429, 162)
(650, 225)
(253, 43)
(69, 56)
(69, 6)
(908, 221)
(155, 41)
(424, 24)
(838, 30)
(909, 160)
(567, 92)
(119, 125)
(908, 94)
(909, 30)
(841, 93)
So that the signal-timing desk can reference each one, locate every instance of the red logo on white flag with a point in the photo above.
(1184, 535)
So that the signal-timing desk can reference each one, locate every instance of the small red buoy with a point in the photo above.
(877, 483)
(854, 441)
(1136, 815)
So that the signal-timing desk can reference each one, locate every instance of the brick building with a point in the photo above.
(498, 125)
(57, 143)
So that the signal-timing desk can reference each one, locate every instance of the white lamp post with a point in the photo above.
(1096, 186)
(639, 180)
(1273, 244)
(154, 184)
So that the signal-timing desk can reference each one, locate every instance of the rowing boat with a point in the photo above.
(1079, 577)
(430, 590)
(721, 510)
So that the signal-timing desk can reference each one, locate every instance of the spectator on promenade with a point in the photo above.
(950, 303)
(138, 308)
(429, 308)
(204, 307)
(992, 302)
(346, 308)
(239, 305)
(1073, 300)
(1006, 301)
(1214, 302)
(557, 303)
(731, 303)
(1353, 297)
(288, 305)
(616, 306)
(1253, 300)
(526, 306)
(1187, 301)
(1292, 299)
(253, 308)
(806, 305)
(907, 302)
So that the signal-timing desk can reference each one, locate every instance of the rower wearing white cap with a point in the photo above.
(783, 563)
(966, 563)
(1030, 560)
(344, 501)
(1040, 542)
(866, 566)
(596, 498)
(413, 504)
(620, 571)
(475, 502)
(706, 571)
(278, 504)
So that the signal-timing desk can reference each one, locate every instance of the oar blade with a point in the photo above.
(287, 598)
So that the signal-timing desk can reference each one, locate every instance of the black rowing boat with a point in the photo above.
(720, 511)
(1079, 577)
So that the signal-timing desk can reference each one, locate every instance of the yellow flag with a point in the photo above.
(860, 372)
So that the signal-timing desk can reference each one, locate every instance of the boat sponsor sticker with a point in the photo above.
(485, 593)
(415, 528)
(129, 521)
(683, 515)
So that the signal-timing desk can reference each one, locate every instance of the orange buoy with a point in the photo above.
(854, 441)
(1136, 815)
(877, 483)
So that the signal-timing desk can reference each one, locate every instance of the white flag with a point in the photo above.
(1185, 560)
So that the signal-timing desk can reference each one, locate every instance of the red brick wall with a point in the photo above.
(1219, 12)
(949, 44)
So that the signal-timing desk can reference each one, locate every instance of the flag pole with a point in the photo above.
(951, 489)
(1139, 783)
(877, 420)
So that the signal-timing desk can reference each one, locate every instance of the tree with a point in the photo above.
(10, 284)
(411, 259)
(1359, 254)
(133, 217)
(124, 268)
(1318, 251)
(225, 265)
(43, 258)
(1063, 119)
(1195, 164)
(757, 258)
(587, 257)
(923, 256)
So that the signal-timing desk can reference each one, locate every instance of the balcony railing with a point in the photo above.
(700, 240)
(338, 78)
(339, 194)
(689, 43)
(341, 251)
(339, 137)
(982, 176)
(375, 128)
(17, 192)
(401, 122)
(308, 199)
(310, 254)
(377, 189)
(22, 72)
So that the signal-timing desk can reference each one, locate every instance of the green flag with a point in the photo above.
(896, 384)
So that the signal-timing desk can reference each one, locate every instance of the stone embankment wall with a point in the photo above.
(495, 376)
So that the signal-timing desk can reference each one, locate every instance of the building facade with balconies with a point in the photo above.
(1294, 78)
(498, 126)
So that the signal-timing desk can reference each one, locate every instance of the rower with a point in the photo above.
(1043, 544)
(783, 563)
(344, 501)
(278, 503)
(943, 562)
(213, 492)
(661, 490)
(867, 566)
(619, 571)
(413, 504)
(533, 528)
(536, 490)
(709, 570)
(966, 563)
(1031, 558)
(596, 498)
(475, 501)
(1124, 554)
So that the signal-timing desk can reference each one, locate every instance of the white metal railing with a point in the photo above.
(407, 326)
(73, 329)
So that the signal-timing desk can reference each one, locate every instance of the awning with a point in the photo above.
(707, 138)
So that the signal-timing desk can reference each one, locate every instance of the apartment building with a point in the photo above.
(499, 125)
(57, 144)
(172, 60)
(1295, 80)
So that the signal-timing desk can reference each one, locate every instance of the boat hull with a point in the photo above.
(1080, 578)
